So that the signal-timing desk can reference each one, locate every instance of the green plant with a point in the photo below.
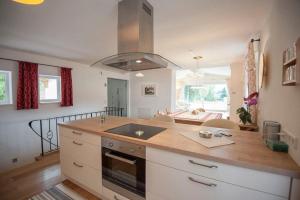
(244, 115)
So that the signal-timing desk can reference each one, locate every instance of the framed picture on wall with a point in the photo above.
(149, 90)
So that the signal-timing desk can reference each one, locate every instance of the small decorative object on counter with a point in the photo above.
(205, 134)
(102, 119)
(244, 113)
(278, 146)
(270, 128)
(248, 127)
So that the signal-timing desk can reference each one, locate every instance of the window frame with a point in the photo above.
(8, 84)
(58, 78)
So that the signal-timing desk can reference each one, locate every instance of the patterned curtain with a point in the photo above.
(27, 93)
(251, 78)
(66, 87)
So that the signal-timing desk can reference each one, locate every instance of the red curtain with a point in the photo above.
(66, 87)
(27, 94)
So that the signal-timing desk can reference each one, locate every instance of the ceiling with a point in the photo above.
(85, 31)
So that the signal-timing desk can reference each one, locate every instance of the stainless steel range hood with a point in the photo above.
(135, 39)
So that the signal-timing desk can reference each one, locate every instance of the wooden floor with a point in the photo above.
(24, 182)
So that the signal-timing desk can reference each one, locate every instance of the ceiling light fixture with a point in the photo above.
(138, 61)
(29, 2)
(197, 57)
(139, 75)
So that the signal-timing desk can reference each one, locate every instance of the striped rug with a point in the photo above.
(58, 192)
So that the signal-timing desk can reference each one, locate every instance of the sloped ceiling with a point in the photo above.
(85, 31)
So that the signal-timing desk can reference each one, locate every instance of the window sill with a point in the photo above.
(6, 104)
(49, 102)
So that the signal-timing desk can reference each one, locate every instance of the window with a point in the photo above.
(212, 97)
(49, 88)
(5, 88)
(203, 88)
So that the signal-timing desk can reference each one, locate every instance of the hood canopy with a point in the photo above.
(135, 39)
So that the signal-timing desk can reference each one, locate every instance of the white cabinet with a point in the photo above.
(80, 157)
(80, 135)
(83, 174)
(81, 151)
(165, 183)
(256, 180)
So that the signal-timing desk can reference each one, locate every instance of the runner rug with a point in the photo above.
(58, 192)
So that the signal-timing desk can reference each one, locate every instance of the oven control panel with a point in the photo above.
(124, 147)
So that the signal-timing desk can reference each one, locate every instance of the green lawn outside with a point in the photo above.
(2, 87)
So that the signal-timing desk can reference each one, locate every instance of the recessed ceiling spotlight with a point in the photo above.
(29, 2)
(140, 75)
(197, 57)
(138, 61)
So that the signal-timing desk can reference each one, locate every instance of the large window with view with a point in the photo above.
(5, 88)
(49, 88)
(212, 97)
(203, 88)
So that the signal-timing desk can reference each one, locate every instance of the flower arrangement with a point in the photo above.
(244, 113)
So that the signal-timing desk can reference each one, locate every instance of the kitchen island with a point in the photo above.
(246, 168)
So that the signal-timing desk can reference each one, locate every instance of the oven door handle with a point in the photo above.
(131, 162)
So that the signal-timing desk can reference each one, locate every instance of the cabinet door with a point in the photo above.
(170, 184)
(81, 151)
(83, 174)
(81, 161)
(256, 180)
(80, 135)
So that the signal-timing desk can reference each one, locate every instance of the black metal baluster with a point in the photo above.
(49, 136)
(42, 141)
(56, 130)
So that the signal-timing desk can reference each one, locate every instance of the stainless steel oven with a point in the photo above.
(123, 168)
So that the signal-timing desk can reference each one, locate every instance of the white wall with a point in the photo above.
(277, 102)
(236, 89)
(89, 94)
(145, 106)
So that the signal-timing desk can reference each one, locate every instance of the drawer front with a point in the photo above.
(111, 195)
(166, 183)
(261, 181)
(80, 135)
(83, 174)
(81, 151)
(151, 196)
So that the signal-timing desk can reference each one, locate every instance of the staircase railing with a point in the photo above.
(47, 129)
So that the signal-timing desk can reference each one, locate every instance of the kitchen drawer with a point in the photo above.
(80, 135)
(81, 151)
(83, 174)
(151, 196)
(111, 195)
(253, 179)
(164, 183)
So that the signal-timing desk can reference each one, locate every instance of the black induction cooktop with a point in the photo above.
(136, 131)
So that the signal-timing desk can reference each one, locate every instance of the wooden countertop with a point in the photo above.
(248, 151)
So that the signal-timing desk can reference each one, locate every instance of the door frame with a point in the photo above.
(127, 88)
